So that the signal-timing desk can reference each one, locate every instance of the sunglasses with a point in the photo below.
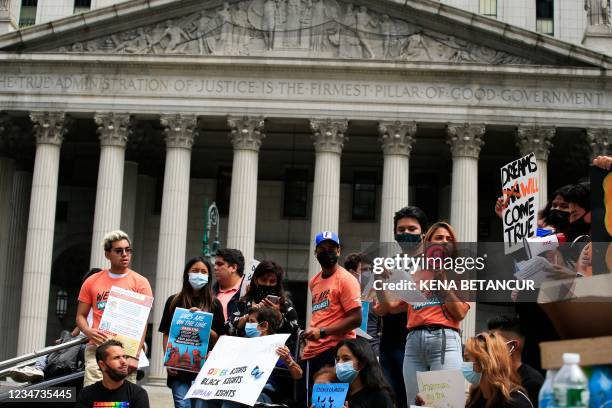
(121, 251)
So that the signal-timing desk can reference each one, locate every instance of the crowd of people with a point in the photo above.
(406, 337)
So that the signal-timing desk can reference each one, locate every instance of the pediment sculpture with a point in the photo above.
(295, 28)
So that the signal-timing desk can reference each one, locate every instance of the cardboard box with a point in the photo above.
(593, 351)
(579, 308)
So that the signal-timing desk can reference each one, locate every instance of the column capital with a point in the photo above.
(600, 140)
(246, 132)
(328, 134)
(533, 138)
(465, 139)
(179, 130)
(397, 137)
(50, 127)
(113, 128)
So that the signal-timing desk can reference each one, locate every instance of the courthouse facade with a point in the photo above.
(294, 116)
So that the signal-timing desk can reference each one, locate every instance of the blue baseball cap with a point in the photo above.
(327, 236)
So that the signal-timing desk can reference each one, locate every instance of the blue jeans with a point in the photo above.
(424, 353)
(392, 361)
(179, 390)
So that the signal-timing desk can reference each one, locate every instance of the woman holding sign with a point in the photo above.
(357, 366)
(195, 295)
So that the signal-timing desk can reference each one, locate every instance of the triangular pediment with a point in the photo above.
(412, 31)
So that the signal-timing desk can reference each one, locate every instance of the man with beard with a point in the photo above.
(113, 387)
(336, 307)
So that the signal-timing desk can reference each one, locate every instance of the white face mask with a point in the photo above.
(197, 280)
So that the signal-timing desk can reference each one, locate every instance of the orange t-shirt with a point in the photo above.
(96, 288)
(430, 313)
(332, 298)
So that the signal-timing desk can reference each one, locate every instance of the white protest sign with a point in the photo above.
(248, 274)
(442, 388)
(237, 368)
(520, 188)
(125, 317)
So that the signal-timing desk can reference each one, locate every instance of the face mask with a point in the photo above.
(467, 367)
(558, 219)
(345, 372)
(260, 292)
(327, 259)
(250, 330)
(577, 229)
(408, 238)
(197, 280)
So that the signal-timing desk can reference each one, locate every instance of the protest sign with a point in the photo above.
(188, 340)
(125, 317)
(329, 395)
(237, 368)
(365, 310)
(519, 180)
(442, 388)
(248, 274)
(601, 220)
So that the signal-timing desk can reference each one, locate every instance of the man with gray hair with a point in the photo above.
(94, 294)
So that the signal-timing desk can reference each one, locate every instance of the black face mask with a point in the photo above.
(260, 292)
(408, 241)
(577, 228)
(327, 259)
(558, 219)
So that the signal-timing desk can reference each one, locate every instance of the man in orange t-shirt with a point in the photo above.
(336, 307)
(94, 294)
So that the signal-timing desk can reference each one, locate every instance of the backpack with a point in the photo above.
(62, 361)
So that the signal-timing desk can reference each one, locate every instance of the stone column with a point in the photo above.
(246, 136)
(20, 203)
(328, 138)
(397, 139)
(128, 205)
(7, 171)
(600, 141)
(537, 139)
(179, 131)
(465, 141)
(49, 128)
(113, 131)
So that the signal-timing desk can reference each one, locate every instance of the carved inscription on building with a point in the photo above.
(294, 28)
(366, 91)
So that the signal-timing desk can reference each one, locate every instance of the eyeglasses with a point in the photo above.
(120, 251)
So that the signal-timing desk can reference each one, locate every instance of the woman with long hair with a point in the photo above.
(494, 381)
(357, 366)
(433, 341)
(195, 295)
(266, 290)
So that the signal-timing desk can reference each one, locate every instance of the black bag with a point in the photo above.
(63, 361)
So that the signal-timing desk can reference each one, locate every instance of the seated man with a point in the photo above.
(509, 328)
(113, 387)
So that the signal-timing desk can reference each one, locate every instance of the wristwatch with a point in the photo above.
(322, 333)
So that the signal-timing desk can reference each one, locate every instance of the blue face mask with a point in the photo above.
(250, 330)
(197, 280)
(345, 372)
(467, 367)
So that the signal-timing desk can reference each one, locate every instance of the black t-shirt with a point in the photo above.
(532, 381)
(517, 400)
(394, 330)
(133, 394)
(369, 398)
(218, 325)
